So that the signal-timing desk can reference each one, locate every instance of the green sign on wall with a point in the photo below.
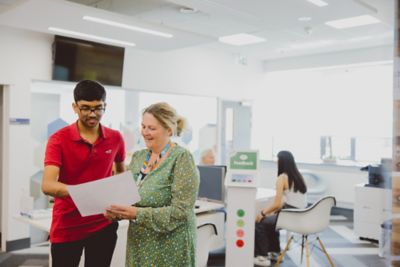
(244, 161)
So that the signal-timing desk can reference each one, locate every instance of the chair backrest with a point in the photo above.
(204, 234)
(311, 220)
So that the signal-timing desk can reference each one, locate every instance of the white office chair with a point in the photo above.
(316, 185)
(311, 220)
(204, 234)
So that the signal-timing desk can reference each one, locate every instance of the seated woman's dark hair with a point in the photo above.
(89, 90)
(287, 165)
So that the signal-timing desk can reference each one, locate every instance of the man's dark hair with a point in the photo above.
(89, 90)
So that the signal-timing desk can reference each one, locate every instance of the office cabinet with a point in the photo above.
(372, 207)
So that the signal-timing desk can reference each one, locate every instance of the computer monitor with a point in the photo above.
(212, 183)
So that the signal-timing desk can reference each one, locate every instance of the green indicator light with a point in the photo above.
(240, 212)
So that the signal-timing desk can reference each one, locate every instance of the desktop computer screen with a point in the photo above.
(212, 183)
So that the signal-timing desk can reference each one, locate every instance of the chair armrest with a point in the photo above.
(294, 210)
(213, 226)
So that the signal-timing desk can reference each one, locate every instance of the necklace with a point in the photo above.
(153, 165)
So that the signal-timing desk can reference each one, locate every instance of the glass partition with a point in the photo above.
(51, 108)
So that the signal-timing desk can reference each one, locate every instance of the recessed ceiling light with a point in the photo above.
(319, 3)
(241, 39)
(304, 19)
(309, 45)
(91, 36)
(126, 26)
(352, 22)
(188, 10)
(360, 39)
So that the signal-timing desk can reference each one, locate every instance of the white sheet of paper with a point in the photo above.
(94, 197)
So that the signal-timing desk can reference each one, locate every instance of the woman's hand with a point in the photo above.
(117, 212)
(259, 218)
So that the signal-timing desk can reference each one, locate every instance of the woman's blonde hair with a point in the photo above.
(167, 117)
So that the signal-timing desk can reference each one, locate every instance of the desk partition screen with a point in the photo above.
(212, 183)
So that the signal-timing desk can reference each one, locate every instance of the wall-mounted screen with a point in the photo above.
(76, 60)
(212, 183)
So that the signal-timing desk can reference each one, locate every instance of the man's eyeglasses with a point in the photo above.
(86, 110)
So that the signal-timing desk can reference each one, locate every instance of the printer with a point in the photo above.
(378, 176)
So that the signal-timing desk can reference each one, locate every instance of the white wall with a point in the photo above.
(24, 56)
(197, 71)
(363, 55)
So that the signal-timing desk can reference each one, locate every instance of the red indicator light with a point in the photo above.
(240, 233)
(240, 243)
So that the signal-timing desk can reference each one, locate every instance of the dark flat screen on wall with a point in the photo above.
(76, 60)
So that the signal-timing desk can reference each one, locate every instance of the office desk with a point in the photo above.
(41, 224)
(264, 194)
(208, 212)
(120, 248)
(45, 223)
(264, 197)
(207, 206)
(204, 214)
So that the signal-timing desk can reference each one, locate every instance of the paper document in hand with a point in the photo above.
(94, 197)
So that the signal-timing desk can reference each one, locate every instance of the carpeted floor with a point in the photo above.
(344, 247)
(25, 260)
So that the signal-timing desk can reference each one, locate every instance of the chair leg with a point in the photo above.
(307, 253)
(283, 252)
(326, 253)
(288, 235)
(302, 248)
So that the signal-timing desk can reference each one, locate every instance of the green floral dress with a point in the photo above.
(164, 232)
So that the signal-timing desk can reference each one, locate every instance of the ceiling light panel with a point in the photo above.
(304, 19)
(127, 26)
(319, 3)
(241, 39)
(352, 22)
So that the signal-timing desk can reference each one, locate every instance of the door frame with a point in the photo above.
(4, 164)
(237, 108)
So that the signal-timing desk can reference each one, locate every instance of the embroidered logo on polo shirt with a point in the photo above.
(108, 151)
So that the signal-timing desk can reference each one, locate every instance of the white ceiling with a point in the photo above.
(275, 20)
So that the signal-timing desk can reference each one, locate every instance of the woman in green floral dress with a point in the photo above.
(162, 230)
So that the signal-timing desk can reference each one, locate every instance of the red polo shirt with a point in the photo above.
(80, 162)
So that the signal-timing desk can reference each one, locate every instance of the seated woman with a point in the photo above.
(290, 193)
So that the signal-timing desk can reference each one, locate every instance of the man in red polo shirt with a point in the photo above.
(82, 152)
